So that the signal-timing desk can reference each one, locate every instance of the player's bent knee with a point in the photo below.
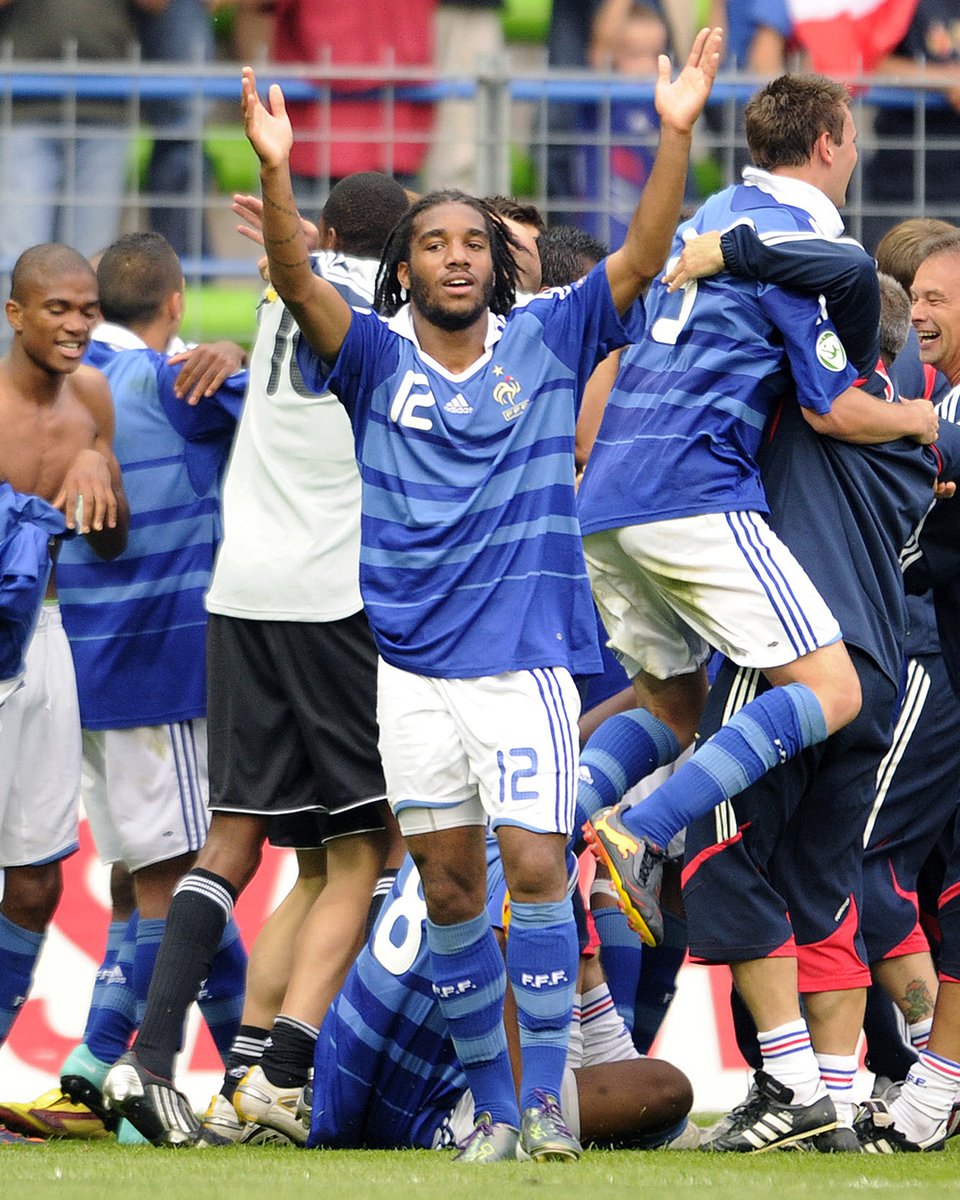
(842, 703)
(31, 895)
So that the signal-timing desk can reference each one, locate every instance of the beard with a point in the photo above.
(443, 318)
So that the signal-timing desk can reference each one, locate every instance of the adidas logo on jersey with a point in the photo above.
(458, 405)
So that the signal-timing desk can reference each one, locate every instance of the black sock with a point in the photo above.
(201, 906)
(288, 1055)
(246, 1052)
(381, 890)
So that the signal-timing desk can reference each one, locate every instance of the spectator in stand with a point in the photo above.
(628, 36)
(177, 31)
(930, 53)
(350, 130)
(56, 183)
(468, 34)
(757, 31)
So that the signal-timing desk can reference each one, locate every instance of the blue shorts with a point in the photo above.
(918, 789)
(777, 871)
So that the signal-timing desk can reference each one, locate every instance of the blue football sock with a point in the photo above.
(105, 972)
(222, 992)
(658, 981)
(621, 956)
(470, 982)
(19, 951)
(621, 752)
(769, 730)
(543, 954)
(113, 1007)
(149, 938)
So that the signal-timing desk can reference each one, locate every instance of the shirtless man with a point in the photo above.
(57, 418)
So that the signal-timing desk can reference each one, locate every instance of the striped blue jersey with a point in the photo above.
(27, 524)
(684, 420)
(470, 560)
(385, 1070)
(137, 624)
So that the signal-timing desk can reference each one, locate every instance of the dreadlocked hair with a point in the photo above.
(390, 296)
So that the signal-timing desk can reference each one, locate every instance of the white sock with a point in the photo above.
(838, 1072)
(605, 1037)
(919, 1033)
(927, 1096)
(575, 1043)
(789, 1058)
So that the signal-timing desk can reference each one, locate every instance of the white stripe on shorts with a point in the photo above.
(751, 534)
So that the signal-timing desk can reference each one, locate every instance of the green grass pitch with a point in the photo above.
(101, 1170)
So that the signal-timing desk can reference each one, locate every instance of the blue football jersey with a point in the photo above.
(137, 624)
(471, 561)
(684, 420)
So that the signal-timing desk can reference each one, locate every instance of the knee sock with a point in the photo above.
(769, 730)
(470, 982)
(789, 1058)
(149, 940)
(927, 1096)
(222, 993)
(622, 751)
(543, 955)
(838, 1072)
(920, 1033)
(381, 890)
(621, 955)
(116, 931)
(201, 907)
(113, 1007)
(288, 1054)
(246, 1052)
(605, 1037)
(19, 951)
(658, 981)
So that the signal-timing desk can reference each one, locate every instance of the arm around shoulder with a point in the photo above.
(856, 416)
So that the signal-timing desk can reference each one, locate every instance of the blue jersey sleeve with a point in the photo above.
(819, 364)
(581, 325)
(367, 356)
(207, 427)
(842, 270)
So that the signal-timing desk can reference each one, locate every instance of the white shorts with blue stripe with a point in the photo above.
(461, 751)
(145, 791)
(670, 590)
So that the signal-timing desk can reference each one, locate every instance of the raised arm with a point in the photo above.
(644, 251)
(322, 314)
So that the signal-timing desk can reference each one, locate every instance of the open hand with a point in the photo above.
(268, 130)
(680, 103)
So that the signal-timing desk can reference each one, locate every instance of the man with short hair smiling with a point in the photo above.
(917, 1119)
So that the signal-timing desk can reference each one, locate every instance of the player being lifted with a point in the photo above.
(672, 504)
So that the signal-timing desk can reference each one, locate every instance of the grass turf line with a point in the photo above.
(90, 1171)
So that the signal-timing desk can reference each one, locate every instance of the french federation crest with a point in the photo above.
(506, 392)
(830, 351)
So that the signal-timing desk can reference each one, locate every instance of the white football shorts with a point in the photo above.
(459, 751)
(40, 753)
(145, 791)
(670, 590)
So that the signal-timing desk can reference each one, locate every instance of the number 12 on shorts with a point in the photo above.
(528, 766)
